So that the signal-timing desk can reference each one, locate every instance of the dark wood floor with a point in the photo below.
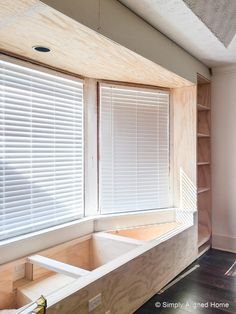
(207, 285)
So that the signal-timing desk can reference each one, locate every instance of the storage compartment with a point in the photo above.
(25, 280)
(204, 154)
(204, 123)
(146, 233)
(203, 93)
(28, 291)
(204, 176)
(204, 217)
(89, 254)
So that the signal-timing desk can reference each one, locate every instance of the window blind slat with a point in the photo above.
(41, 150)
(64, 105)
(134, 149)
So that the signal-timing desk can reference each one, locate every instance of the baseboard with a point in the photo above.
(224, 243)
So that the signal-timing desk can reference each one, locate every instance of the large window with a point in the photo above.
(42, 149)
(134, 149)
(41, 152)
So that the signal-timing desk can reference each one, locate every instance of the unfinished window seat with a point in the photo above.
(76, 264)
(57, 267)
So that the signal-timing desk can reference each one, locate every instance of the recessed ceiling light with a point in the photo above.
(41, 49)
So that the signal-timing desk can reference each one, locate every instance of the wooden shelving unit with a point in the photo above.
(204, 164)
(204, 236)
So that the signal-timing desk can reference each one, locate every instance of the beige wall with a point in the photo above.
(113, 20)
(224, 158)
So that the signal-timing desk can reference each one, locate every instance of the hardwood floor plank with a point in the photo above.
(205, 290)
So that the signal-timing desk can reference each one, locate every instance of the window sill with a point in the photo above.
(16, 248)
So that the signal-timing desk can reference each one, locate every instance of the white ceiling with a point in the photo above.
(206, 34)
(218, 16)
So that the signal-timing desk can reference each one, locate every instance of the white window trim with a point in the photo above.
(32, 67)
(18, 247)
(90, 148)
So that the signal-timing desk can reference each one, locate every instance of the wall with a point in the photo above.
(115, 21)
(224, 158)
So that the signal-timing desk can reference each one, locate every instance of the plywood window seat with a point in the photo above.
(74, 265)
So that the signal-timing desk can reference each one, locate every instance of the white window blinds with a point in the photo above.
(134, 149)
(41, 150)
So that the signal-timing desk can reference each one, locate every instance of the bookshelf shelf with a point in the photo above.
(203, 163)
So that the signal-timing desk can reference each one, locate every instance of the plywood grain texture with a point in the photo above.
(204, 126)
(74, 48)
(123, 284)
(204, 153)
(204, 171)
(6, 290)
(204, 213)
(204, 176)
(133, 32)
(31, 291)
(11, 275)
(184, 110)
(104, 250)
(126, 288)
(204, 94)
(76, 255)
(22, 282)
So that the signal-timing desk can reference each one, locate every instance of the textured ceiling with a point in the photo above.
(205, 28)
(218, 16)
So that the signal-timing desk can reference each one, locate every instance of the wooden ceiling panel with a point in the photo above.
(74, 47)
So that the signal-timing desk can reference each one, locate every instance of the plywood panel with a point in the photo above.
(204, 122)
(184, 110)
(22, 282)
(123, 289)
(146, 233)
(7, 300)
(203, 95)
(126, 288)
(204, 153)
(204, 176)
(33, 290)
(204, 213)
(105, 249)
(76, 255)
(75, 48)
(9, 274)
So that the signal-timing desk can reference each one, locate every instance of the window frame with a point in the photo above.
(101, 83)
(92, 221)
(46, 70)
